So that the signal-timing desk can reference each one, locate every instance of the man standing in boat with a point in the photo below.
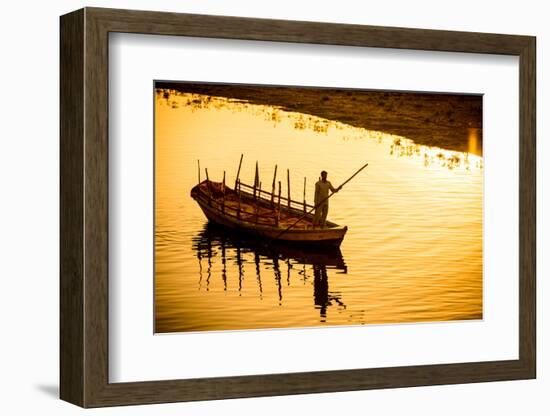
(322, 187)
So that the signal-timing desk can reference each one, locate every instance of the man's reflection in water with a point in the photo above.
(322, 297)
(320, 289)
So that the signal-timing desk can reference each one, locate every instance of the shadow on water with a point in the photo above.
(229, 249)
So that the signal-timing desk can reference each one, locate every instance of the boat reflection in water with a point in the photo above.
(272, 262)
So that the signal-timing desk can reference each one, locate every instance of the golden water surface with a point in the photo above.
(413, 251)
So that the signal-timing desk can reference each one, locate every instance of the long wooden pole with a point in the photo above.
(349, 179)
(239, 199)
(223, 192)
(288, 186)
(238, 171)
(273, 186)
(278, 218)
(257, 205)
(304, 194)
(319, 204)
(256, 181)
(208, 187)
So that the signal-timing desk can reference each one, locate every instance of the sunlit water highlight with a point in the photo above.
(413, 251)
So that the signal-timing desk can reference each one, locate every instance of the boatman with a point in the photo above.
(321, 200)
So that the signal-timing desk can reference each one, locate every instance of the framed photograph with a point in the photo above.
(254, 207)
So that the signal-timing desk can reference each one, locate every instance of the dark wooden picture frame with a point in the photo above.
(84, 213)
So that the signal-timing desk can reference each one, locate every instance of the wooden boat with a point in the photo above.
(251, 210)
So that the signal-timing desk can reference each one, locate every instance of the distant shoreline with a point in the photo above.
(448, 121)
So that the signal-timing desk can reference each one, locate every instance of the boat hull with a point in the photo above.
(329, 236)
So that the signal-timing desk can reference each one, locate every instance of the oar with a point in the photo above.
(318, 205)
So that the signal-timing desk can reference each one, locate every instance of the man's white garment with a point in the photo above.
(321, 191)
(321, 194)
